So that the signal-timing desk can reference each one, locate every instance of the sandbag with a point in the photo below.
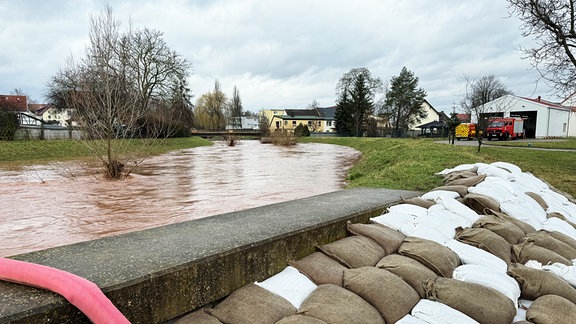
(479, 202)
(466, 181)
(558, 225)
(336, 305)
(562, 217)
(538, 199)
(535, 283)
(410, 270)
(489, 277)
(408, 209)
(390, 239)
(252, 304)
(418, 201)
(527, 250)
(354, 251)
(200, 316)
(525, 227)
(436, 194)
(435, 256)
(562, 237)
(387, 292)
(289, 284)
(433, 312)
(461, 190)
(551, 309)
(469, 254)
(483, 304)
(548, 240)
(300, 319)
(320, 268)
(393, 220)
(505, 229)
(485, 240)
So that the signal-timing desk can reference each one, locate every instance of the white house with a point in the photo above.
(541, 118)
(571, 103)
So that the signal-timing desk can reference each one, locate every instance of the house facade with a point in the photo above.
(318, 120)
(542, 118)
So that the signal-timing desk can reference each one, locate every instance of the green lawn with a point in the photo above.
(567, 144)
(411, 164)
(23, 151)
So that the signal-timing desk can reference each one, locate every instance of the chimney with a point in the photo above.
(539, 98)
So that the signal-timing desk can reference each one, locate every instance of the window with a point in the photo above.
(309, 123)
(285, 122)
(564, 126)
(293, 123)
(328, 123)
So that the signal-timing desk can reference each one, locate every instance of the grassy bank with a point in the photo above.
(564, 144)
(411, 164)
(23, 151)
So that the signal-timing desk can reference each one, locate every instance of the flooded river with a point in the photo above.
(49, 205)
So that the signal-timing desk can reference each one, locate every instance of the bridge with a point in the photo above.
(227, 132)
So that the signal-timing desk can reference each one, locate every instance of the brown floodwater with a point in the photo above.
(48, 205)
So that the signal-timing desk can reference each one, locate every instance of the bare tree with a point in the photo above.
(480, 92)
(552, 24)
(120, 90)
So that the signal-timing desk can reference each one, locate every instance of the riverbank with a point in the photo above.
(410, 164)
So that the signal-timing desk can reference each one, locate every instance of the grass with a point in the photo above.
(411, 164)
(37, 151)
(566, 144)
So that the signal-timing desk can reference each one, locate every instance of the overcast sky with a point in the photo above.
(285, 53)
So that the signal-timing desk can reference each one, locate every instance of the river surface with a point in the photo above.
(48, 205)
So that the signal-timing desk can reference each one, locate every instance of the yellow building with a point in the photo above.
(318, 120)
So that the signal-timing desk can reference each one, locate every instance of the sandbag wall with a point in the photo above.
(493, 245)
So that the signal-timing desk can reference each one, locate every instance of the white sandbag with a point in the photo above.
(551, 197)
(393, 220)
(437, 313)
(409, 209)
(492, 171)
(409, 319)
(424, 231)
(520, 315)
(435, 194)
(556, 224)
(512, 168)
(563, 271)
(438, 211)
(459, 209)
(500, 183)
(289, 284)
(469, 254)
(489, 277)
(518, 209)
(461, 167)
(498, 190)
(530, 203)
(528, 182)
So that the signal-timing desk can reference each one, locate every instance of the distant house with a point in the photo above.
(13, 103)
(433, 124)
(52, 115)
(542, 118)
(318, 120)
(570, 102)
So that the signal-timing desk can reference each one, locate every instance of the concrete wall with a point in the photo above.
(158, 274)
(46, 132)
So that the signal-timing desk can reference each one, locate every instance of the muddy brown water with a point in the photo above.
(49, 205)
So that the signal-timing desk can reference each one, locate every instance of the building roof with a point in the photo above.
(13, 103)
(327, 112)
(547, 103)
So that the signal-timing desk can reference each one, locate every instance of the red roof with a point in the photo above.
(545, 102)
(13, 103)
(465, 118)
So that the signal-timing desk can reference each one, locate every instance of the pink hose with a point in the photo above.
(80, 292)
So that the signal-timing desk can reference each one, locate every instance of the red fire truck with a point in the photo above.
(504, 128)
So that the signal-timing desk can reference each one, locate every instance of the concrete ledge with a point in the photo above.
(155, 275)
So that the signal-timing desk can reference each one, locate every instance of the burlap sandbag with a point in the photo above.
(483, 304)
(525, 227)
(387, 292)
(486, 240)
(354, 251)
(200, 316)
(562, 217)
(527, 250)
(389, 238)
(505, 229)
(454, 175)
(546, 240)
(460, 189)
(538, 199)
(435, 256)
(551, 309)
(252, 304)
(468, 182)
(410, 270)
(419, 201)
(300, 319)
(562, 237)
(535, 283)
(479, 202)
(336, 305)
(320, 268)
